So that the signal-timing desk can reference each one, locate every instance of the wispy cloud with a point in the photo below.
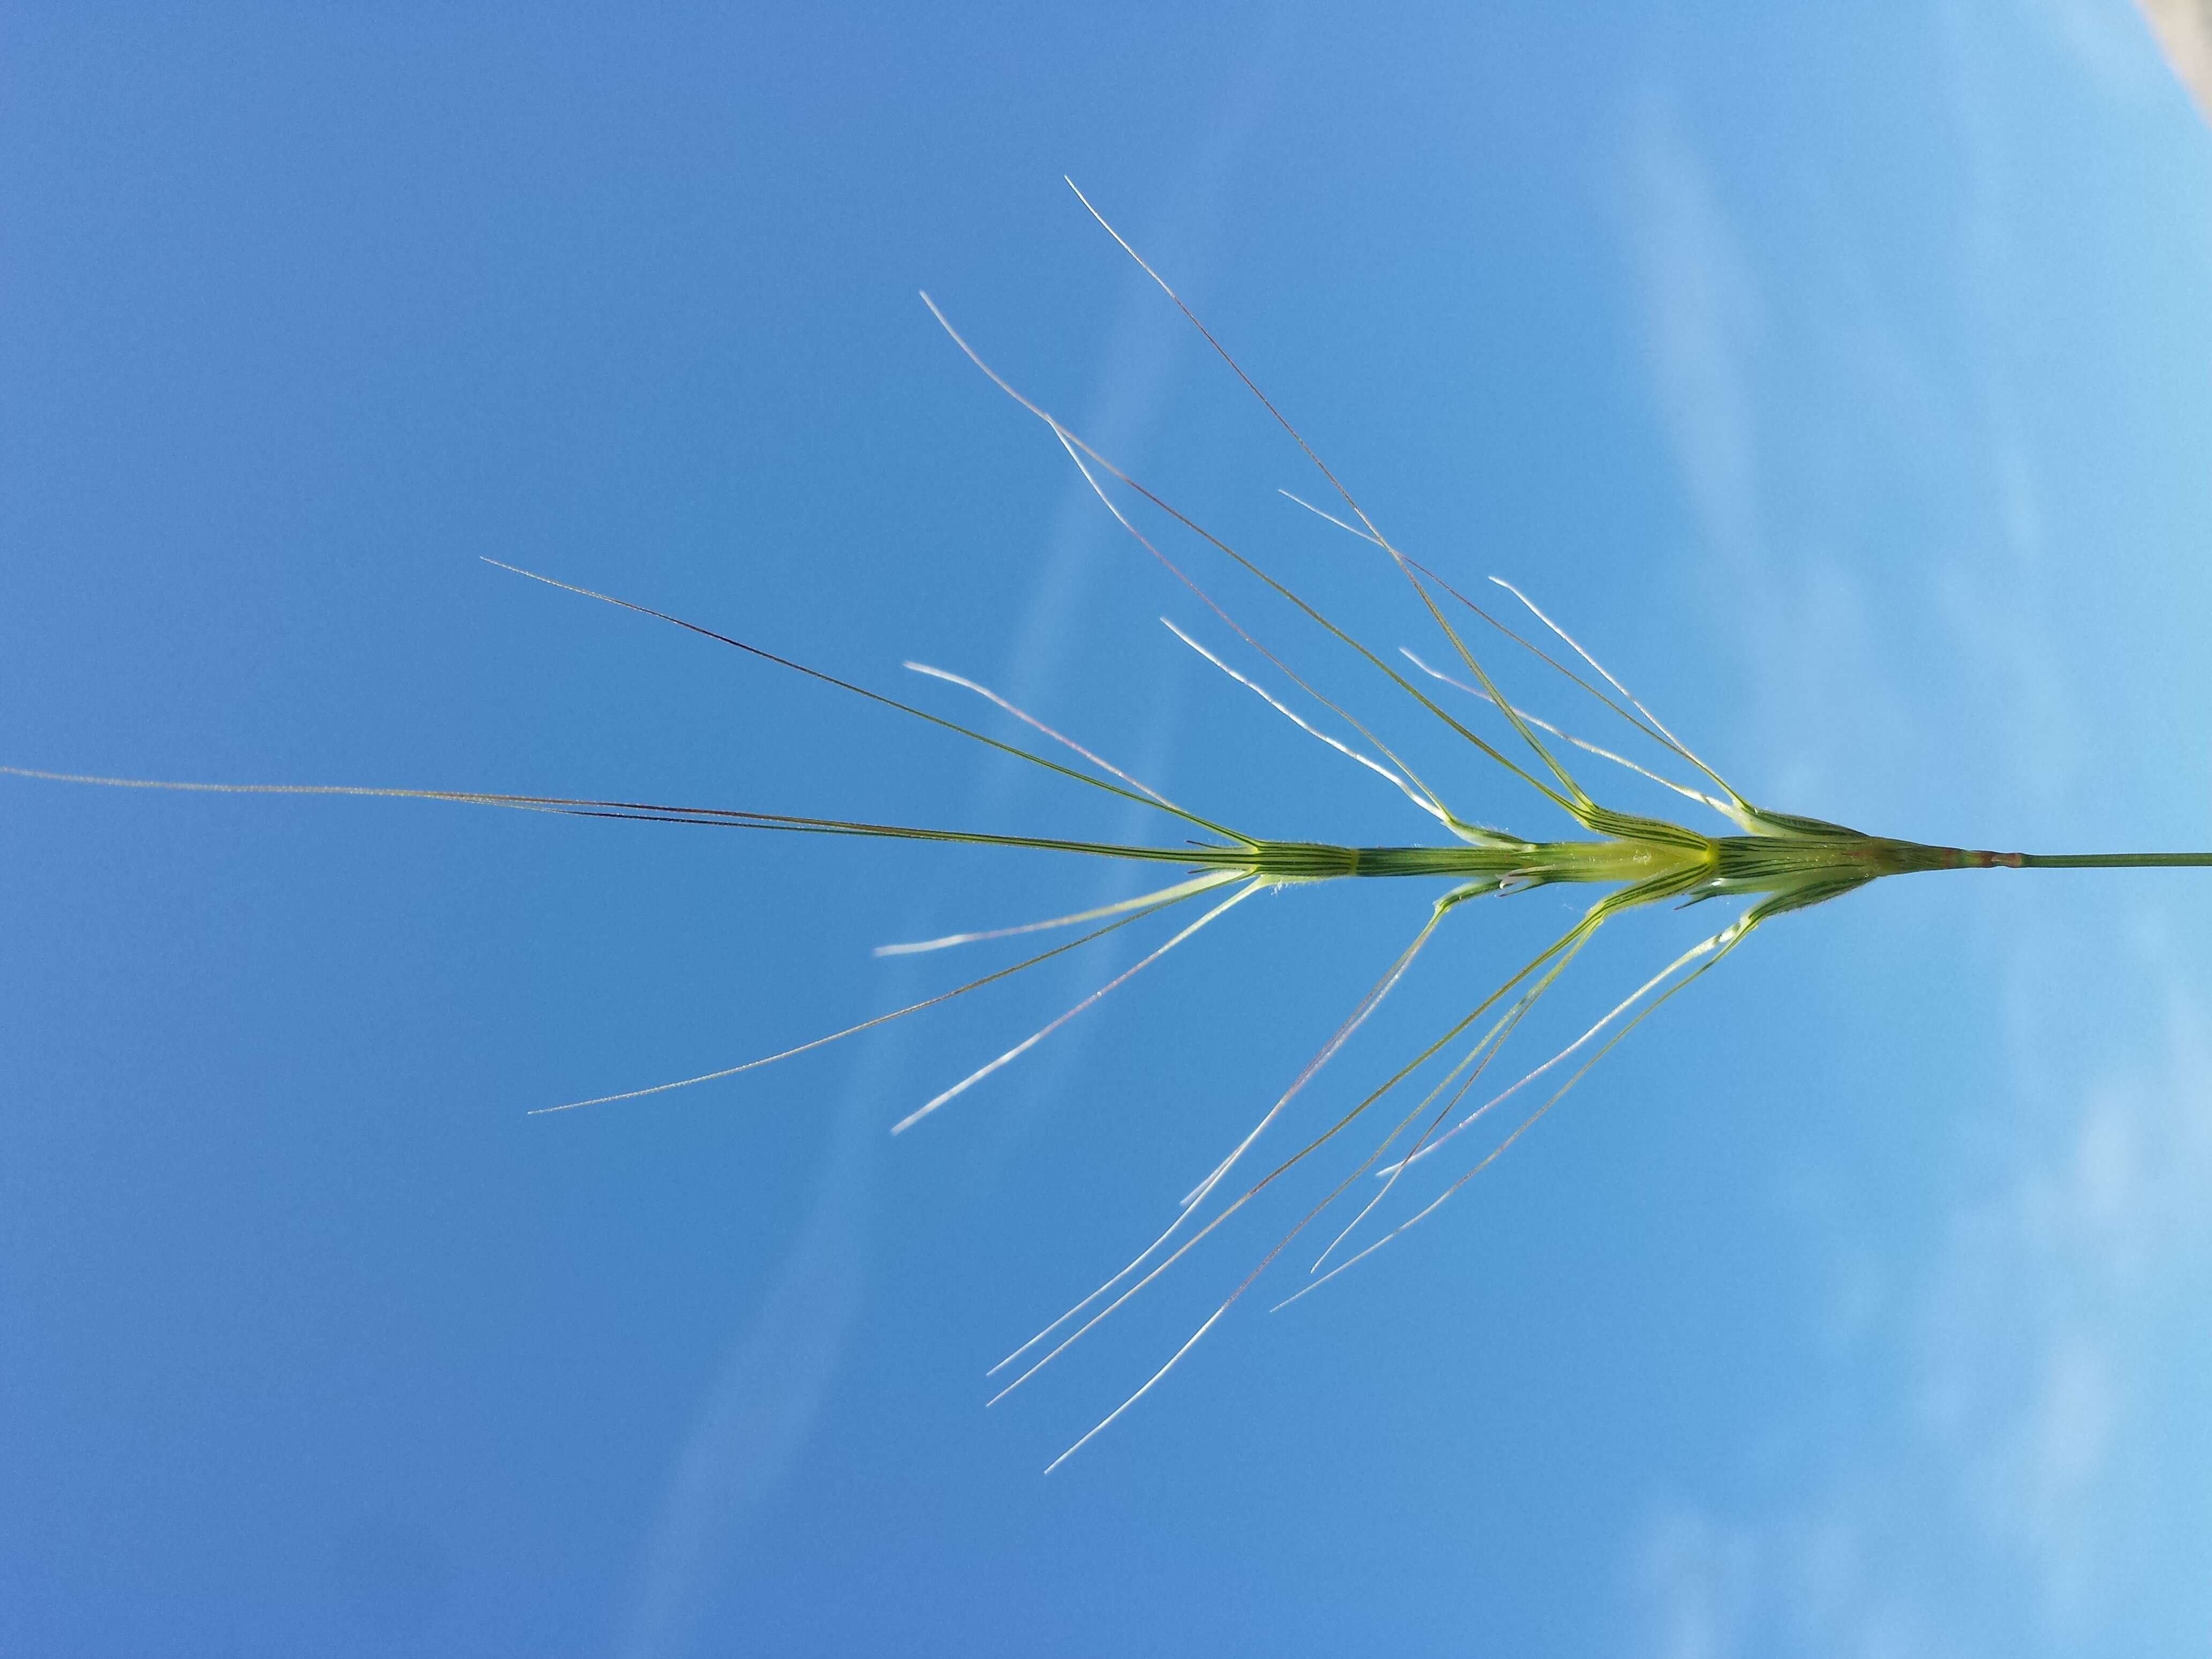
(2040, 1326)
(1703, 321)
(2006, 1512)
(1696, 1576)
(1798, 617)
(774, 1378)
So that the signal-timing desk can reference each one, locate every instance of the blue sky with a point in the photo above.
(1843, 382)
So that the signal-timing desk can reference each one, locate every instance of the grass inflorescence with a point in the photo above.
(1772, 863)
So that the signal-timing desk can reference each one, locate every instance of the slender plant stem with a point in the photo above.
(2113, 860)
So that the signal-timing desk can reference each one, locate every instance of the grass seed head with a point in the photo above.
(1774, 862)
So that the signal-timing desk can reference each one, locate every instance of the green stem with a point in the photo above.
(2108, 860)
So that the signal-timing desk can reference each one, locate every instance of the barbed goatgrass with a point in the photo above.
(1776, 861)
